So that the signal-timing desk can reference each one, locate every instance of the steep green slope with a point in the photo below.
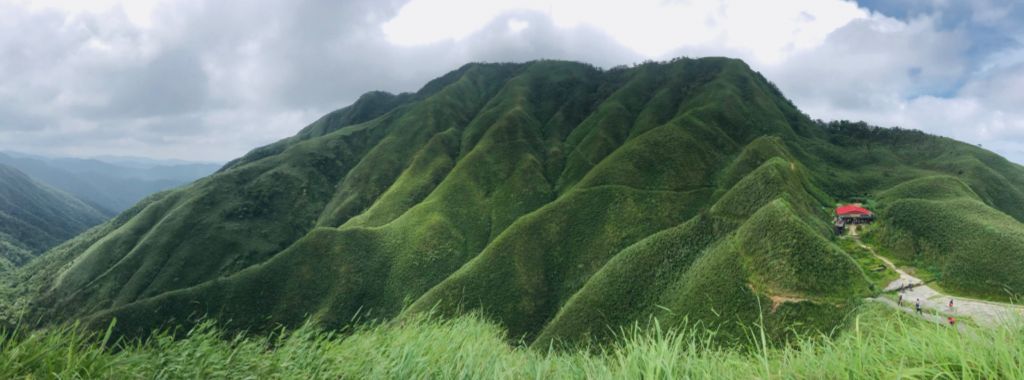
(559, 200)
(19, 287)
(34, 217)
(939, 187)
(724, 262)
(940, 224)
(12, 252)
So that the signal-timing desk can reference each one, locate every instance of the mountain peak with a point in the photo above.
(562, 200)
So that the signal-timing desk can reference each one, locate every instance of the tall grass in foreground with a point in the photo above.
(879, 344)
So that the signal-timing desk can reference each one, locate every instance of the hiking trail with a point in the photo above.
(983, 313)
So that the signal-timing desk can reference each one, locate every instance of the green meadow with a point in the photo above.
(876, 343)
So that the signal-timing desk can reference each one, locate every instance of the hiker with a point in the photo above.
(950, 304)
(917, 305)
(900, 301)
(952, 321)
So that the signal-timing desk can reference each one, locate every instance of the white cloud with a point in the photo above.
(140, 12)
(911, 74)
(873, 63)
(516, 25)
(210, 79)
(834, 59)
(653, 28)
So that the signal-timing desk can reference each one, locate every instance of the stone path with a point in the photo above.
(984, 313)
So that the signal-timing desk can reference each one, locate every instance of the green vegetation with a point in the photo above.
(943, 228)
(971, 249)
(34, 217)
(560, 201)
(875, 269)
(934, 188)
(878, 344)
(787, 256)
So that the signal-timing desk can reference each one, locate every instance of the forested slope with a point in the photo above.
(35, 217)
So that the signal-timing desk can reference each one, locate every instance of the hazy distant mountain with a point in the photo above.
(112, 184)
(35, 217)
(145, 162)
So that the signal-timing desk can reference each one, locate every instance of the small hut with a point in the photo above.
(853, 214)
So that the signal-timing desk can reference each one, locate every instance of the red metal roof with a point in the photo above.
(852, 209)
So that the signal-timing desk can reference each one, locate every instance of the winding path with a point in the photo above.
(983, 313)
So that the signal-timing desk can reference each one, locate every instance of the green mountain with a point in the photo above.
(34, 217)
(557, 199)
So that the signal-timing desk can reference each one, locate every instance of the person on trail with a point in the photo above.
(950, 304)
(917, 306)
(900, 301)
(952, 321)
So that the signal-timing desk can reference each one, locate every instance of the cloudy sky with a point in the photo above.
(209, 80)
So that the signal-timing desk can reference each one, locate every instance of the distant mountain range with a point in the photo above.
(35, 217)
(111, 184)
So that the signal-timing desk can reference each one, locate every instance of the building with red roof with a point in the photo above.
(854, 213)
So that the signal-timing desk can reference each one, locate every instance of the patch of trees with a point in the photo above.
(845, 131)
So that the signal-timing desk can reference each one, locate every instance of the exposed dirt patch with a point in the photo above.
(779, 300)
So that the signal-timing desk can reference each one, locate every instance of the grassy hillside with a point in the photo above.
(876, 345)
(34, 217)
(559, 200)
(941, 225)
(18, 288)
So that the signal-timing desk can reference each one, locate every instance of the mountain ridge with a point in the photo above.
(111, 187)
(539, 194)
(35, 217)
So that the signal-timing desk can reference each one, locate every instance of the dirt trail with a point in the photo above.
(984, 313)
(928, 316)
(779, 300)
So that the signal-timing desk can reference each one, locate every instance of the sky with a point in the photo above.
(209, 80)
